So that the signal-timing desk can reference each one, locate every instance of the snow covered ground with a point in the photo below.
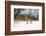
(22, 26)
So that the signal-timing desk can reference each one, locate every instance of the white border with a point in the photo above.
(27, 7)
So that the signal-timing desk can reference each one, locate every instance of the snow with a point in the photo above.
(22, 26)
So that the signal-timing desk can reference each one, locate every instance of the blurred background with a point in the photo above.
(29, 13)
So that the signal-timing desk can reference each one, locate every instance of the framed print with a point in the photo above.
(24, 17)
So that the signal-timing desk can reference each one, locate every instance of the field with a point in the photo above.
(22, 25)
